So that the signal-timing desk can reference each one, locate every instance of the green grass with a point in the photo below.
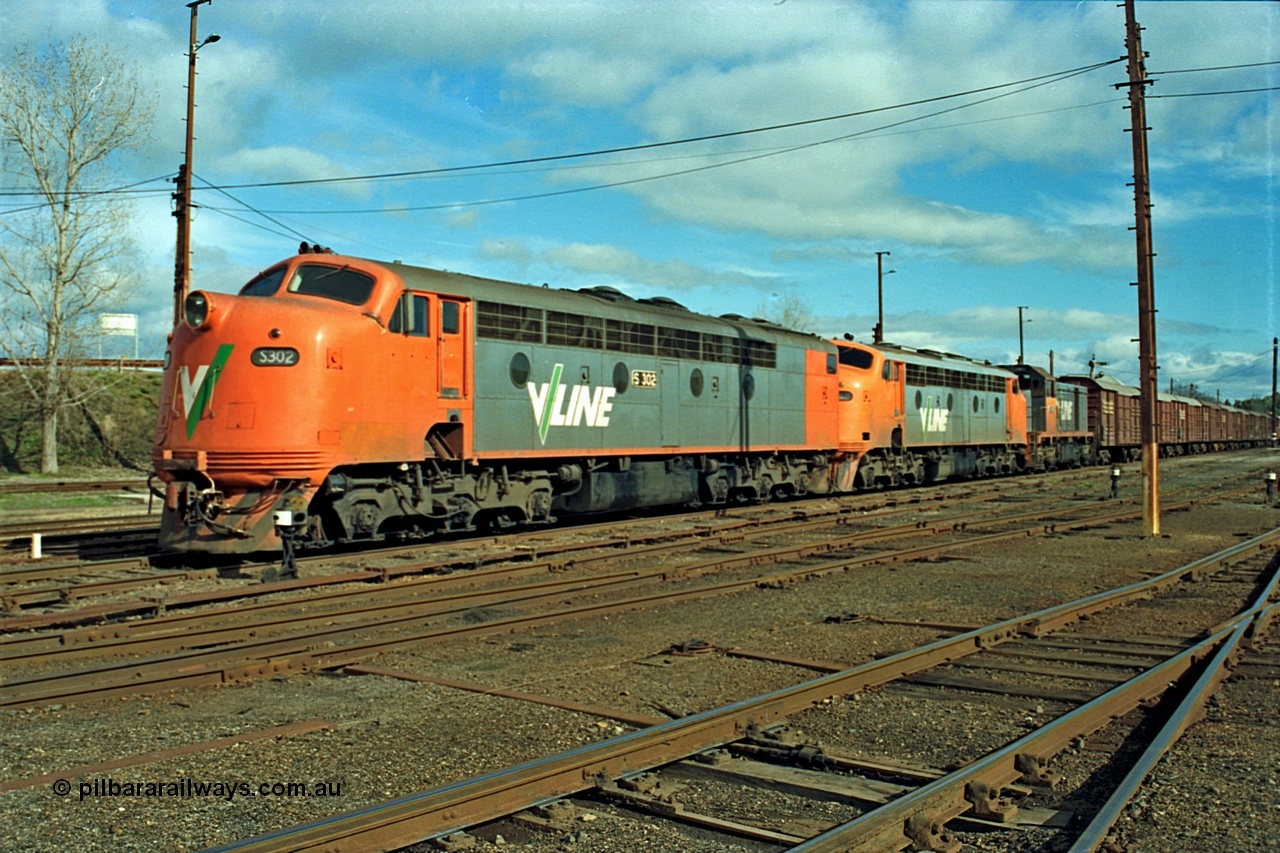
(111, 430)
(12, 505)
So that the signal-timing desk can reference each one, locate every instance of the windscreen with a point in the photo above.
(264, 285)
(855, 357)
(340, 283)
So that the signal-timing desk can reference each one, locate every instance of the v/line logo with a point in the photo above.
(582, 405)
(197, 388)
(933, 418)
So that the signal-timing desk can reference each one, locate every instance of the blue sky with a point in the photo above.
(1021, 200)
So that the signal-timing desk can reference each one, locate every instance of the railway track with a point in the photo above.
(72, 486)
(336, 629)
(555, 555)
(461, 553)
(500, 641)
(73, 536)
(635, 769)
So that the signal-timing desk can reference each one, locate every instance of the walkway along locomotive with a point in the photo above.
(336, 399)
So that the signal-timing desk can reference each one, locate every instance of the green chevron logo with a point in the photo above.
(197, 387)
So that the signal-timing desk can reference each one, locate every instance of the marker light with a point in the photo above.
(196, 309)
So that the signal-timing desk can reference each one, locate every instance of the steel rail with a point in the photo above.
(177, 631)
(269, 657)
(748, 527)
(918, 818)
(1250, 625)
(437, 812)
(72, 486)
(479, 552)
(58, 528)
(892, 502)
(102, 638)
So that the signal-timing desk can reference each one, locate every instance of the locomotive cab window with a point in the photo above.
(859, 358)
(449, 313)
(264, 285)
(340, 283)
(411, 316)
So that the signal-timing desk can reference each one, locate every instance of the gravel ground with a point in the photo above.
(390, 738)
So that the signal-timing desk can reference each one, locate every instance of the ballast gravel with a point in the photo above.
(389, 738)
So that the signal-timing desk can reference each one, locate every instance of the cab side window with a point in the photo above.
(411, 316)
(449, 312)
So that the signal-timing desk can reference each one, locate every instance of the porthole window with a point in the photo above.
(975, 404)
(997, 399)
(748, 386)
(621, 378)
(519, 370)
(695, 382)
(919, 399)
(950, 403)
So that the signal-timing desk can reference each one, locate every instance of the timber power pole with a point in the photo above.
(182, 192)
(1275, 351)
(1137, 84)
(877, 335)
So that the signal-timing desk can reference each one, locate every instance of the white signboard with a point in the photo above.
(118, 324)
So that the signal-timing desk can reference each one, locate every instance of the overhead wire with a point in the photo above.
(1204, 94)
(1216, 67)
(771, 153)
(682, 141)
(249, 207)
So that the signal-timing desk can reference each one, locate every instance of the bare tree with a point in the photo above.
(790, 312)
(65, 111)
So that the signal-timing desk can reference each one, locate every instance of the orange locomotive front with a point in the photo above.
(268, 391)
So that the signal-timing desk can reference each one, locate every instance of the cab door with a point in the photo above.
(452, 354)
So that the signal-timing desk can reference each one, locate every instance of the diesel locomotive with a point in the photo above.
(338, 399)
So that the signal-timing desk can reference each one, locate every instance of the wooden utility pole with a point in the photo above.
(182, 192)
(1146, 276)
(1275, 351)
(877, 335)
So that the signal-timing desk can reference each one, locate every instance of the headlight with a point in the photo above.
(196, 309)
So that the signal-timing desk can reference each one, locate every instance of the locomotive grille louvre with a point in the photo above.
(964, 380)
(509, 322)
(505, 322)
(574, 330)
(625, 336)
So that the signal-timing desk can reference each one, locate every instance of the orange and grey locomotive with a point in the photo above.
(336, 399)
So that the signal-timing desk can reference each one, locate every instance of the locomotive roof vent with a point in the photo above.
(604, 291)
(662, 302)
(738, 317)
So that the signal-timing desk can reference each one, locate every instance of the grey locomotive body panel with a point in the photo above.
(952, 401)
(557, 370)
(1073, 408)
